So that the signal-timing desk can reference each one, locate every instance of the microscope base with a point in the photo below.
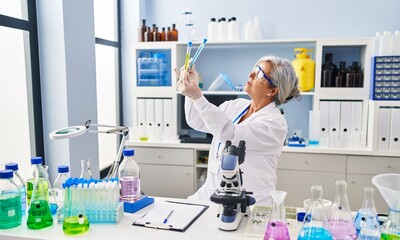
(230, 226)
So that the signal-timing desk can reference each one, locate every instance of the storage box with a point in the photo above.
(385, 78)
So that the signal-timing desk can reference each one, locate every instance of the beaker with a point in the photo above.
(388, 185)
(366, 221)
(312, 227)
(277, 228)
(75, 219)
(39, 215)
(85, 169)
(340, 221)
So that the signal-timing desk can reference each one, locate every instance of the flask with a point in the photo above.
(312, 227)
(222, 29)
(233, 29)
(142, 30)
(340, 220)
(63, 172)
(10, 201)
(174, 33)
(75, 220)
(329, 71)
(85, 169)
(304, 68)
(20, 184)
(128, 174)
(36, 171)
(277, 227)
(366, 221)
(212, 30)
(39, 215)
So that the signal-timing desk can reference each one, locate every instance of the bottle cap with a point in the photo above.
(6, 174)
(213, 20)
(129, 152)
(63, 169)
(36, 160)
(12, 166)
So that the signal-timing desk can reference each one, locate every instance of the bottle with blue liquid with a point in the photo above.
(20, 184)
(10, 201)
(313, 227)
(366, 220)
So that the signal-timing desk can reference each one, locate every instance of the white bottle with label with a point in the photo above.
(233, 29)
(212, 32)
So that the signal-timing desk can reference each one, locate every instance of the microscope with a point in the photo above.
(233, 198)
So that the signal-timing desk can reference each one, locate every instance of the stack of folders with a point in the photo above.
(154, 116)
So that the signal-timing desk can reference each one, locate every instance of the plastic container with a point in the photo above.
(10, 201)
(128, 174)
(212, 30)
(20, 184)
(304, 68)
(233, 30)
(153, 70)
(222, 29)
(218, 83)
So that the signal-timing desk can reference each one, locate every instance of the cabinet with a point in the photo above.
(297, 172)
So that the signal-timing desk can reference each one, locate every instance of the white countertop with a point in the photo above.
(205, 227)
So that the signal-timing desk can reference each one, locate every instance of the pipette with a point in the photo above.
(189, 47)
(196, 55)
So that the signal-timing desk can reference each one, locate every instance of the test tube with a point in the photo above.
(196, 55)
(189, 47)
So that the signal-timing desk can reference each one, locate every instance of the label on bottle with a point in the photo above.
(130, 188)
(11, 213)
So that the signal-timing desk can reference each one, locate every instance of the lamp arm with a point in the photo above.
(114, 167)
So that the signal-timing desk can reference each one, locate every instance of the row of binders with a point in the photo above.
(341, 124)
(389, 129)
(154, 119)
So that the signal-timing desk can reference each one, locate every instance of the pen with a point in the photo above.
(169, 215)
(189, 47)
(196, 55)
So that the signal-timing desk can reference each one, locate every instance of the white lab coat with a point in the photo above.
(264, 132)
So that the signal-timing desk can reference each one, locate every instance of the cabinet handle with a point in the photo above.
(159, 156)
(307, 162)
(353, 182)
(389, 166)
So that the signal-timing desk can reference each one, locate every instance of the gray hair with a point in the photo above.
(283, 77)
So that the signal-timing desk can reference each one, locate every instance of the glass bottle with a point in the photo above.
(174, 33)
(20, 184)
(128, 174)
(148, 37)
(340, 220)
(85, 169)
(75, 220)
(142, 30)
(366, 221)
(63, 175)
(277, 228)
(313, 227)
(329, 71)
(358, 75)
(162, 34)
(341, 77)
(39, 215)
(10, 201)
(168, 35)
(36, 171)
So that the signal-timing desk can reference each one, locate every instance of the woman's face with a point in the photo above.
(257, 86)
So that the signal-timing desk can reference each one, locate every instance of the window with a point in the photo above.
(108, 75)
(20, 104)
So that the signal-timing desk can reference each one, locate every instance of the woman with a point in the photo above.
(258, 122)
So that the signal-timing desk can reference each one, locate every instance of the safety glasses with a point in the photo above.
(259, 74)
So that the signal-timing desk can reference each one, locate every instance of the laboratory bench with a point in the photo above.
(172, 169)
(205, 227)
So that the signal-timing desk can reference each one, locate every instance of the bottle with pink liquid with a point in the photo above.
(340, 221)
(128, 174)
(277, 228)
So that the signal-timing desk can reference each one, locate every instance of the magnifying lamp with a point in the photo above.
(74, 131)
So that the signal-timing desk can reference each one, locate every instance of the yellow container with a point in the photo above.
(304, 68)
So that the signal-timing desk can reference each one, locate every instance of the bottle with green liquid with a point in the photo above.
(10, 201)
(75, 219)
(39, 215)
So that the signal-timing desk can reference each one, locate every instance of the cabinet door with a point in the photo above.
(298, 184)
(166, 180)
(355, 192)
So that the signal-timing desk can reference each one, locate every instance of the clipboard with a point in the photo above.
(182, 217)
